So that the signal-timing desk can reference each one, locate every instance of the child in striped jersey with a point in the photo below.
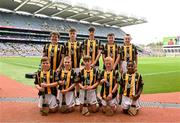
(109, 80)
(132, 86)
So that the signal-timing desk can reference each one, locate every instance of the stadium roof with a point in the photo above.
(65, 10)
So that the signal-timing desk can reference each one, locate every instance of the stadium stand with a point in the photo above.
(23, 32)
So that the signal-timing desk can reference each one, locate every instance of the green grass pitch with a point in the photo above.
(160, 74)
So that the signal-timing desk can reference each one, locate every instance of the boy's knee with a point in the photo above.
(93, 108)
(53, 110)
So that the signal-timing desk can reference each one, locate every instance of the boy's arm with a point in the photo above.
(140, 89)
(39, 88)
(116, 62)
(97, 58)
(94, 85)
(81, 86)
(54, 84)
(115, 88)
(99, 54)
(61, 62)
(71, 87)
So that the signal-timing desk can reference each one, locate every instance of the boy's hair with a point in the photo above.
(128, 35)
(131, 62)
(91, 29)
(111, 34)
(72, 30)
(87, 58)
(108, 59)
(43, 59)
(67, 58)
(55, 33)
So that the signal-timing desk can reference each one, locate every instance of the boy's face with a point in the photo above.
(127, 39)
(91, 33)
(45, 65)
(108, 64)
(130, 67)
(87, 63)
(54, 38)
(72, 35)
(111, 39)
(67, 62)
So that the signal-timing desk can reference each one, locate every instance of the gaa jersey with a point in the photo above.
(48, 77)
(112, 77)
(111, 51)
(54, 54)
(68, 76)
(73, 49)
(90, 48)
(89, 77)
(128, 53)
(130, 84)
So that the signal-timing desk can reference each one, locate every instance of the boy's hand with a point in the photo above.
(61, 82)
(64, 91)
(109, 97)
(41, 89)
(89, 88)
(43, 85)
(92, 65)
(57, 70)
(103, 80)
(84, 87)
(135, 97)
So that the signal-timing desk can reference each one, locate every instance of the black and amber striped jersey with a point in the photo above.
(90, 48)
(128, 53)
(48, 77)
(88, 77)
(54, 53)
(68, 76)
(112, 78)
(130, 84)
(111, 51)
(73, 49)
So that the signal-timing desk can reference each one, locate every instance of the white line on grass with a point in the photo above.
(148, 74)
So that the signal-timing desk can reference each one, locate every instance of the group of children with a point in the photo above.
(62, 76)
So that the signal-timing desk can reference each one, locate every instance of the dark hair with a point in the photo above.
(55, 33)
(131, 62)
(86, 58)
(128, 35)
(43, 59)
(72, 30)
(92, 29)
(111, 34)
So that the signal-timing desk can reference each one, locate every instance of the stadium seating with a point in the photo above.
(20, 49)
(29, 22)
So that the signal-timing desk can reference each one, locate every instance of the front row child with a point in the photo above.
(109, 80)
(66, 88)
(88, 84)
(132, 86)
(46, 82)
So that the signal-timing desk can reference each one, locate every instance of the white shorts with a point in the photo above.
(77, 70)
(97, 68)
(127, 102)
(124, 66)
(113, 102)
(69, 98)
(49, 99)
(91, 97)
